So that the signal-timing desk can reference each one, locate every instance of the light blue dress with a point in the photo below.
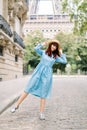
(40, 83)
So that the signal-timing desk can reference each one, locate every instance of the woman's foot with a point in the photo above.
(14, 109)
(42, 116)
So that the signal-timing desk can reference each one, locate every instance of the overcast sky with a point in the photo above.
(45, 7)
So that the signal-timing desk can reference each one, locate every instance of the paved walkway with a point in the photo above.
(65, 110)
(10, 91)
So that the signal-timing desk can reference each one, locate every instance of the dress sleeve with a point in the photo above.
(62, 59)
(38, 48)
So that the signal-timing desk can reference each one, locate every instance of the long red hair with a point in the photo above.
(55, 52)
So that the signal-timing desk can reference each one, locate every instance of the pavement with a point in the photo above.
(10, 90)
(65, 110)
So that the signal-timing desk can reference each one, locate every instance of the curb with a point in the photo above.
(9, 102)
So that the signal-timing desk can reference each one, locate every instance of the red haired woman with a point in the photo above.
(40, 83)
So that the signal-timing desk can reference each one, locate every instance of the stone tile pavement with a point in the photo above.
(65, 110)
(10, 91)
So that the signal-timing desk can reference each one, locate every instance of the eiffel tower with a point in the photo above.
(48, 17)
(54, 5)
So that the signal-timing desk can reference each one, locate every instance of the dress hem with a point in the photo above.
(36, 95)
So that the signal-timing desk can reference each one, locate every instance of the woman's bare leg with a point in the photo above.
(21, 98)
(42, 105)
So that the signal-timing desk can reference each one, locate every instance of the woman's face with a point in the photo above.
(53, 48)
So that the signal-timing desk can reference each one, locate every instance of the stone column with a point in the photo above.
(1, 7)
(5, 9)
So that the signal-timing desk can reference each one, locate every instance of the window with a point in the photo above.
(16, 58)
(33, 17)
(26, 30)
(1, 50)
(50, 17)
(0, 79)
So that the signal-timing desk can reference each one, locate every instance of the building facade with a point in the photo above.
(49, 24)
(12, 17)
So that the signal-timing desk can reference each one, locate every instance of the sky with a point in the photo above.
(45, 7)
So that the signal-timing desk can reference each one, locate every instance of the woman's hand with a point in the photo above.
(60, 50)
(44, 43)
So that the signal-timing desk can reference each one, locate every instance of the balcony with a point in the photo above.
(18, 39)
(5, 26)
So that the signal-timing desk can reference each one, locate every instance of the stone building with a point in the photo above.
(49, 25)
(12, 17)
(48, 17)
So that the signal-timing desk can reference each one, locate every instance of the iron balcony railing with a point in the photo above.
(27, 2)
(18, 39)
(5, 26)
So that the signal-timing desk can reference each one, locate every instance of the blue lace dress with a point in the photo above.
(40, 83)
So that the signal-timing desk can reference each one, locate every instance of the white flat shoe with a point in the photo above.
(42, 116)
(14, 109)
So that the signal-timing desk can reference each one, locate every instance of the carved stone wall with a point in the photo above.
(11, 42)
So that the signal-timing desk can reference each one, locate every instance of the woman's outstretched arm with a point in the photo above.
(62, 58)
(38, 48)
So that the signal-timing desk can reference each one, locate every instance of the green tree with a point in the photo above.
(77, 10)
(30, 57)
(69, 44)
(75, 48)
(82, 53)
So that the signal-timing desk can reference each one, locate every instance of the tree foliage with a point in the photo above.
(31, 58)
(77, 10)
(30, 41)
(75, 48)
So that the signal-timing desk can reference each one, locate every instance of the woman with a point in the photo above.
(40, 83)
